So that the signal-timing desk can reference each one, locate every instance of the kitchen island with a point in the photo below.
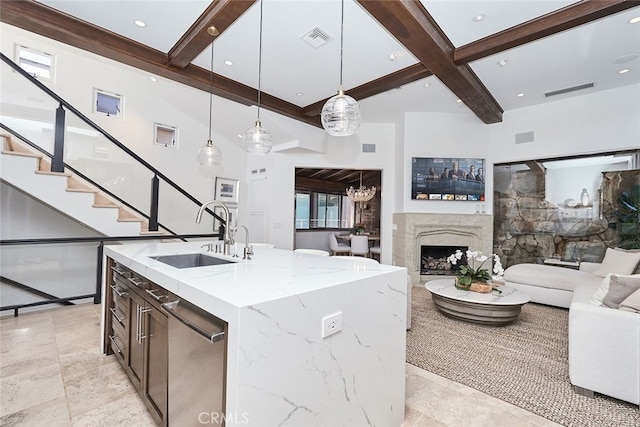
(279, 368)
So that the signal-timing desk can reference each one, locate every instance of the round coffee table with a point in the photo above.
(488, 309)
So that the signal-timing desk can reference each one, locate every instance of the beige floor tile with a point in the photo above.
(124, 412)
(27, 389)
(97, 387)
(49, 414)
(20, 359)
(79, 362)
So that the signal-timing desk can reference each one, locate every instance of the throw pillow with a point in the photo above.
(601, 292)
(618, 262)
(632, 303)
(619, 289)
(634, 251)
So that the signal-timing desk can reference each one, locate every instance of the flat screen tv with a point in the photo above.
(440, 178)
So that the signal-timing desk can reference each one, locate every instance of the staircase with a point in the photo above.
(29, 171)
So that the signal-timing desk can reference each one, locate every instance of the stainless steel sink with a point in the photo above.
(190, 260)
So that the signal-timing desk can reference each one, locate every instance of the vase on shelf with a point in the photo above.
(584, 197)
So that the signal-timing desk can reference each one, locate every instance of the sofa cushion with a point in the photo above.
(601, 292)
(620, 287)
(618, 262)
(632, 303)
(547, 276)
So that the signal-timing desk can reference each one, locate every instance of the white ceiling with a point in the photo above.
(296, 72)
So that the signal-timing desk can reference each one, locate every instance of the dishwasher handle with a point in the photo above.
(210, 336)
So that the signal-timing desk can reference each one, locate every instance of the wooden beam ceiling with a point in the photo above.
(552, 23)
(220, 14)
(407, 20)
(410, 23)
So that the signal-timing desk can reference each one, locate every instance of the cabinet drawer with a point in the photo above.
(118, 347)
(120, 296)
(118, 318)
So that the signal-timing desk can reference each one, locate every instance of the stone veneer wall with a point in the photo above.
(416, 229)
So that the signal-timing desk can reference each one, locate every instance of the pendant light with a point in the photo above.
(361, 194)
(210, 155)
(341, 113)
(256, 139)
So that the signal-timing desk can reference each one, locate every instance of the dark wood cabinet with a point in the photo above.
(136, 332)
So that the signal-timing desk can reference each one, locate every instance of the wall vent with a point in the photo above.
(316, 37)
(569, 89)
(368, 148)
(523, 137)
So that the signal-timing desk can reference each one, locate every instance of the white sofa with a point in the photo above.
(604, 343)
(604, 347)
(551, 285)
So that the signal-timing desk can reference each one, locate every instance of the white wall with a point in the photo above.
(343, 152)
(592, 123)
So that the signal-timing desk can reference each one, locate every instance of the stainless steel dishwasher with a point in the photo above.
(197, 366)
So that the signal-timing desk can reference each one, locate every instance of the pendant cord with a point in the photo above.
(260, 61)
(211, 93)
(341, 41)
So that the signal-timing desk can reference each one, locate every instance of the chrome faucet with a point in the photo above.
(248, 251)
(226, 239)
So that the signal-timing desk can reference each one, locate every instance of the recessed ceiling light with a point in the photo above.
(153, 79)
(520, 95)
(299, 93)
(479, 17)
(392, 56)
(227, 62)
(139, 23)
(503, 62)
(458, 101)
(624, 71)
(427, 84)
(634, 20)
(240, 136)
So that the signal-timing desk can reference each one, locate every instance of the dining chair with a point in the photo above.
(375, 252)
(312, 252)
(360, 246)
(336, 247)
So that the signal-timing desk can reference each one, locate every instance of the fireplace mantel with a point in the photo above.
(413, 230)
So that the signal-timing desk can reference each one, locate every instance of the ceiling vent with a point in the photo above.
(316, 37)
(569, 89)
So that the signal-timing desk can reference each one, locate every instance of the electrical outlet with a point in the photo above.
(331, 324)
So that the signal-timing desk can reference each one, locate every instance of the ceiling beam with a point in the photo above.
(48, 22)
(379, 85)
(410, 23)
(220, 14)
(552, 23)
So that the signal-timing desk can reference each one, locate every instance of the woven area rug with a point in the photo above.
(523, 363)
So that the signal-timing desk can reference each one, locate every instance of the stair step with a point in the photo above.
(81, 190)
(106, 205)
(151, 233)
(130, 220)
(41, 172)
(22, 153)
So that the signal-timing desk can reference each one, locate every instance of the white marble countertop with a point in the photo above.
(271, 274)
(445, 288)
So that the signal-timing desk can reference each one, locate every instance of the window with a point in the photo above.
(38, 64)
(165, 136)
(109, 104)
(322, 210)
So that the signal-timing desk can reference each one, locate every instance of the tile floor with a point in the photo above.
(52, 374)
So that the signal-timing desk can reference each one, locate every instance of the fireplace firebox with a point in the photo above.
(433, 260)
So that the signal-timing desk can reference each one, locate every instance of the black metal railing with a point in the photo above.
(97, 294)
(59, 165)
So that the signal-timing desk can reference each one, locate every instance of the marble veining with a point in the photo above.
(280, 369)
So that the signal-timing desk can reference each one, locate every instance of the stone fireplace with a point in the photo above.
(433, 260)
(414, 230)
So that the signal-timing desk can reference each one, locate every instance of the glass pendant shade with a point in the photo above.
(341, 115)
(209, 155)
(257, 140)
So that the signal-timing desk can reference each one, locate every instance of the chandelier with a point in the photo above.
(361, 194)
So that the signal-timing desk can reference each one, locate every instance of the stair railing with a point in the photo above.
(58, 164)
